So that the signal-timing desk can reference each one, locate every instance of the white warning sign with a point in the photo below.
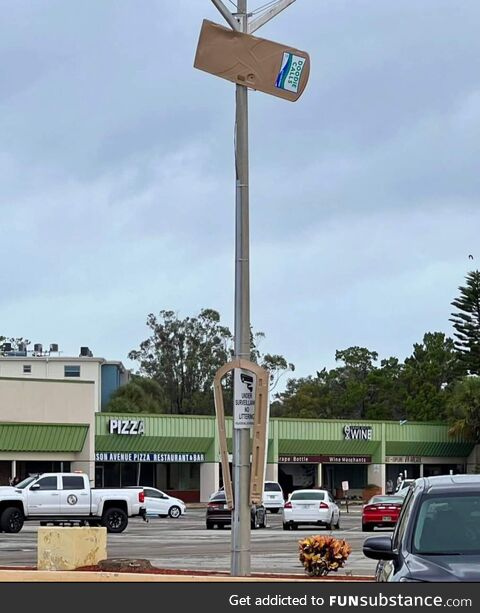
(243, 398)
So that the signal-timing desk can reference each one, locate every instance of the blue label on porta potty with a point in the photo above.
(290, 72)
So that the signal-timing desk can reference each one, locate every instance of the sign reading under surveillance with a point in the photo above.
(257, 63)
(243, 398)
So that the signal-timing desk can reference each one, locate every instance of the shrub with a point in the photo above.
(323, 554)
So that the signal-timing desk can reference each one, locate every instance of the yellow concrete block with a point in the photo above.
(70, 548)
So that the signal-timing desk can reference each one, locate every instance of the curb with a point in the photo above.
(38, 576)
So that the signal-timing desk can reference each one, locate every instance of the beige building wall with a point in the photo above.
(46, 367)
(51, 402)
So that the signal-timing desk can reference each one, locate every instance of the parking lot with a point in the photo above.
(186, 544)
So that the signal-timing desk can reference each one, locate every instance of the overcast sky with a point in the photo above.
(117, 181)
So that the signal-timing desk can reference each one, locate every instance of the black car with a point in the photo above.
(437, 537)
(219, 515)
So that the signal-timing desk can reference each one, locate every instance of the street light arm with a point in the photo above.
(229, 18)
(262, 19)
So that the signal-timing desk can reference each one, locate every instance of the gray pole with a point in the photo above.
(241, 437)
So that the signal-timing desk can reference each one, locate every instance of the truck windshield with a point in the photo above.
(23, 484)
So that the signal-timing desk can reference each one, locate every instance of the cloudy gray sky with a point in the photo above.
(116, 174)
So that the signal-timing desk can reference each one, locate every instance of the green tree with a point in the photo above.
(464, 408)
(466, 322)
(351, 393)
(301, 398)
(15, 342)
(183, 355)
(139, 395)
(387, 391)
(428, 374)
(342, 392)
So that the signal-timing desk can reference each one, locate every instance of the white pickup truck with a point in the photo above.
(63, 497)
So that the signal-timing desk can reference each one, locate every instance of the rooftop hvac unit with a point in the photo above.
(54, 348)
(22, 347)
(85, 352)
(38, 348)
(6, 347)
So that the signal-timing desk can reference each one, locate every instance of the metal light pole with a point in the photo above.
(240, 565)
(240, 22)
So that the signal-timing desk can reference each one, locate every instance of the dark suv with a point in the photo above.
(219, 515)
(437, 537)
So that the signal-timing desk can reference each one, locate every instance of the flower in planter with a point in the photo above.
(323, 554)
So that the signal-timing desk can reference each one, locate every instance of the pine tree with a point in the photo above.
(466, 322)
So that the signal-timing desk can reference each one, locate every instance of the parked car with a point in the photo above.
(219, 515)
(273, 498)
(437, 537)
(62, 497)
(381, 512)
(163, 505)
(310, 507)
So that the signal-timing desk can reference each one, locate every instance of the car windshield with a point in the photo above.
(448, 524)
(308, 496)
(218, 496)
(385, 499)
(23, 484)
(272, 487)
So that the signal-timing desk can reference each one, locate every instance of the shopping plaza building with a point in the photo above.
(51, 420)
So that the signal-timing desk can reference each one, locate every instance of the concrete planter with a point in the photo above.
(69, 548)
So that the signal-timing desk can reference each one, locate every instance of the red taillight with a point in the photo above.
(215, 505)
(141, 496)
(369, 507)
(287, 505)
(323, 505)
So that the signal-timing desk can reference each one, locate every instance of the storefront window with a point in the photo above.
(432, 470)
(183, 476)
(129, 473)
(25, 469)
(297, 476)
(407, 471)
(5, 472)
(164, 476)
(111, 474)
(335, 474)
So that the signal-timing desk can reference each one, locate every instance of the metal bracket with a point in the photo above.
(272, 12)
(229, 18)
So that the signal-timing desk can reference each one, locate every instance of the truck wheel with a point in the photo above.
(12, 520)
(115, 520)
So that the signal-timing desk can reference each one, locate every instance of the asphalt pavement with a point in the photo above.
(185, 543)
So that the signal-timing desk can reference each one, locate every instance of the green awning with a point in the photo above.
(42, 437)
(316, 447)
(154, 444)
(440, 449)
(230, 445)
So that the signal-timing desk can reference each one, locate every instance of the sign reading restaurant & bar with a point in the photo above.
(324, 459)
(126, 456)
